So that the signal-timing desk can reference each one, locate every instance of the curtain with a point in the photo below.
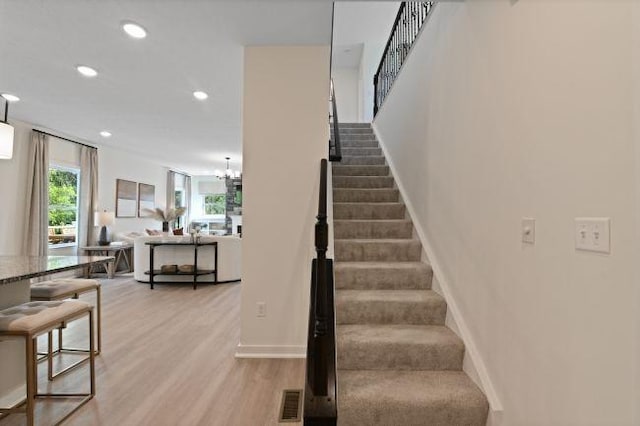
(171, 190)
(37, 197)
(187, 201)
(88, 196)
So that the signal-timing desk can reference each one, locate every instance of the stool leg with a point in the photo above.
(31, 379)
(99, 319)
(92, 366)
(50, 354)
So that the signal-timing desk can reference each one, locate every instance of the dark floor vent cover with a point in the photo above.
(290, 407)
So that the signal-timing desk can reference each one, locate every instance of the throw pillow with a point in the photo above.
(153, 232)
(178, 231)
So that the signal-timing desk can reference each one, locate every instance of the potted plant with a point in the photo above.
(165, 215)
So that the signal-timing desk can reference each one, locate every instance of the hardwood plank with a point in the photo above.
(168, 359)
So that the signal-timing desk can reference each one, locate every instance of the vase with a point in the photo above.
(165, 226)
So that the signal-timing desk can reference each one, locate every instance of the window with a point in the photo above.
(63, 206)
(214, 204)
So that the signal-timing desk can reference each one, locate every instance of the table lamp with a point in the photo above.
(104, 219)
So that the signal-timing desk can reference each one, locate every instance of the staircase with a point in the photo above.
(397, 362)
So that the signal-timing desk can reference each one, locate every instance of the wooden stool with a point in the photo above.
(32, 319)
(66, 288)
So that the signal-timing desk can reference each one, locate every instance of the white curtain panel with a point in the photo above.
(171, 189)
(88, 196)
(187, 201)
(36, 231)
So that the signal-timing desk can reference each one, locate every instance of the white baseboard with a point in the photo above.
(475, 367)
(270, 351)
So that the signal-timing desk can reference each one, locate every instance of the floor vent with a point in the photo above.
(290, 409)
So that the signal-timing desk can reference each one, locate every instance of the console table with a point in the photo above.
(152, 272)
(121, 252)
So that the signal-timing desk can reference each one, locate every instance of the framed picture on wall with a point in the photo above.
(126, 198)
(146, 198)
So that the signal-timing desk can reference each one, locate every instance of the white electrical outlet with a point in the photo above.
(593, 234)
(528, 230)
(261, 310)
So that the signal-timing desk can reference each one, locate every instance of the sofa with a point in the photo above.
(229, 257)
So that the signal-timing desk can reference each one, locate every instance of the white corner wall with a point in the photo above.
(285, 134)
(511, 109)
(345, 85)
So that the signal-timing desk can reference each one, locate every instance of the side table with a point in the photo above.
(121, 252)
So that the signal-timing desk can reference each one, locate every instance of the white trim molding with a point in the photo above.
(475, 367)
(270, 351)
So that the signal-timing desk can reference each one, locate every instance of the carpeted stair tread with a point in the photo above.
(419, 307)
(362, 151)
(368, 211)
(388, 228)
(409, 398)
(363, 182)
(366, 195)
(377, 250)
(382, 275)
(360, 170)
(360, 160)
(398, 347)
(359, 143)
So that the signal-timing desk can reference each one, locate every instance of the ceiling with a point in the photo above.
(143, 93)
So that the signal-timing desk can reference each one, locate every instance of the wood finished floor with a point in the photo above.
(168, 359)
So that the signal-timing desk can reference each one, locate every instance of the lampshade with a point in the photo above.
(6, 141)
(104, 218)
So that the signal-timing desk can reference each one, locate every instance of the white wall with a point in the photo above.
(345, 85)
(13, 175)
(285, 135)
(510, 109)
(115, 164)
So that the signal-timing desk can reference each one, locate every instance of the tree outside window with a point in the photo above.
(63, 205)
(214, 204)
(179, 194)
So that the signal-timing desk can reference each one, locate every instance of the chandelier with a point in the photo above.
(228, 173)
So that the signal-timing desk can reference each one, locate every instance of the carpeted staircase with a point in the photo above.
(397, 362)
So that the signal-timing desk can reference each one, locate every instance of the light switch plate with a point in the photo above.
(593, 234)
(528, 230)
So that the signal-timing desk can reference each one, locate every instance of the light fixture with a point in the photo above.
(201, 96)
(105, 134)
(134, 30)
(228, 173)
(10, 97)
(104, 219)
(6, 134)
(86, 71)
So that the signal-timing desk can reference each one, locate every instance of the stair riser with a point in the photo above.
(343, 126)
(404, 356)
(346, 143)
(362, 161)
(356, 251)
(368, 211)
(362, 152)
(363, 182)
(365, 195)
(382, 278)
(357, 137)
(372, 229)
(342, 130)
(390, 312)
(361, 170)
(361, 413)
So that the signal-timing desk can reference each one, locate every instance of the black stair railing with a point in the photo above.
(335, 149)
(320, 407)
(406, 27)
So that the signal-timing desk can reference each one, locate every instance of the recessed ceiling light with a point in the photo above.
(10, 97)
(105, 134)
(200, 95)
(86, 71)
(134, 30)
